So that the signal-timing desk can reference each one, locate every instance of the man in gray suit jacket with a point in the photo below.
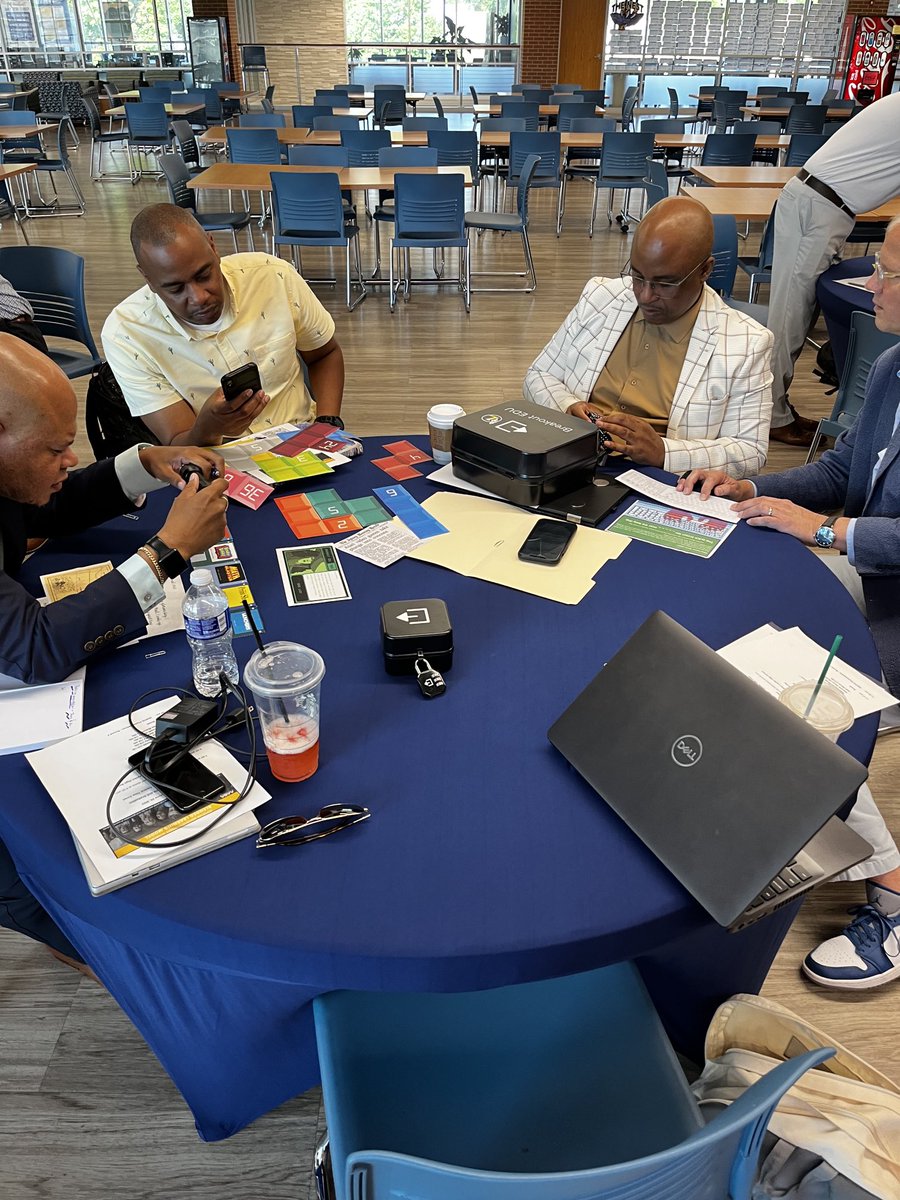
(861, 475)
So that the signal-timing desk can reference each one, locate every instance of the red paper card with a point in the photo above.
(398, 471)
(245, 489)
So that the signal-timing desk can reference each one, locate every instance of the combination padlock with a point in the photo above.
(431, 682)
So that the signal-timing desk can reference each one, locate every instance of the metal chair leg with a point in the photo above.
(322, 1170)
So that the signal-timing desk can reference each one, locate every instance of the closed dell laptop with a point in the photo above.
(730, 790)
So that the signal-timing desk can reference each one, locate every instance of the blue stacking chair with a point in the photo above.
(725, 252)
(517, 222)
(567, 87)
(728, 150)
(308, 210)
(27, 149)
(564, 1089)
(254, 146)
(333, 122)
(623, 165)
(761, 154)
(363, 145)
(396, 156)
(148, 131)
(494, 160)
(52, 281)
(158, 91)
(569, 112)
(231, 106)
(333, 98)
(595, 96)
(8, 208)
(350, 89)
(806, 118)
(317, 155)
(802, 146)
(524, 109)
(785, 97)
(198, 96)
(546, 174)
(389, 104)
(60, 165)
(667, 125)
(429, 211)
(519, 89)
(866, 342)
(426, 123)
(187, 146)
(261, 121)
(303, 115)
(177, 176)
(657, 181)
(456, 148)
(760, 268)
(583, 162)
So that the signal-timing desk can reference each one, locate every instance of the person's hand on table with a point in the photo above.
(781, 515)
(165, 462)
(635, 438)
(220, 418)
(196, 519)
(715, 483)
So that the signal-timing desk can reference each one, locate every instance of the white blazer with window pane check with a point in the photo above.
(723, 402)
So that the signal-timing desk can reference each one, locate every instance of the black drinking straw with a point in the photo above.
(262, 649)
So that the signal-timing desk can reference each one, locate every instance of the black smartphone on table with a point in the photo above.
(242, 379)
(547, 542)
(186, 783)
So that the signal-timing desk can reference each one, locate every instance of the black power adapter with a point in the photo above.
(186, 721)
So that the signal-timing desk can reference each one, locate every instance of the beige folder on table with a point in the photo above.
(484, 539)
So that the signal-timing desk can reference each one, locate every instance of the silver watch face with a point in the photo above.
(825, 536)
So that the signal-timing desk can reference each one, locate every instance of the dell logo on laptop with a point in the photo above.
(687, 750)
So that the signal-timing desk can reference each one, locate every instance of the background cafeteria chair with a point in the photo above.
(253, 146)
(784, 98)
(761, 154)
(474, 94)
(231, 105)
(594, 96)
(334, 122)
(261, 120)
(571, 100)
(429, 212)
(214, 114)
(806, 118)
(389, 104)
(269, 95)
(572, 112)
(628, 107)
(728, 150)
(770, 90)
(519, 88)
(99, 139)
(8, 88)
(456, 148)
(349, 89)
(303, 115)
(8, 209)
(396, 156)
(267, 105)
(866, 342)
(493, 160)
(61, 165)
(672, 157)
(425, 123)
(623, 165)
(177, 178)
(19, 150)
(657, 181)
(760, 268)
(727, 110)
(525, 110)
(157, 91)
(438, 104)
(846, 104)
(562, 1089)
(148, 130)
(363, 145)
(721, 280)
(308, 210)
(802, 146)
(61, 102)
(316, 155)
(583, 162)
(52, 281)
(831, 127)
(503, 223)
(547, 173)
(198, 119)
(567, 87)
(674, 104)
(704, 111)
(187, 146)
(332, 98)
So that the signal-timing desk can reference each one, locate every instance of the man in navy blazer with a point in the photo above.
(40, 499)
(861, 476)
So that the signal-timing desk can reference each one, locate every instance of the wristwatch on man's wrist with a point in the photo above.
(825, 535)
(171, 562)
(330, 420)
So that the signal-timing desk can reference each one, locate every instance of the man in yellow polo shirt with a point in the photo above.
(676, 377)
(199, 317)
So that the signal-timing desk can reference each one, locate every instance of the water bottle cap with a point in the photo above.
(201, 577)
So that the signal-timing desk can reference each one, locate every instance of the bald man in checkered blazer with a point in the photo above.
(676, 378)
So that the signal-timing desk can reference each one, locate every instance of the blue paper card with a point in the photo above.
(410, 511)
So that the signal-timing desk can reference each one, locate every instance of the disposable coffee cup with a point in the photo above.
(285, 679)
(831, 714)
(440, 427)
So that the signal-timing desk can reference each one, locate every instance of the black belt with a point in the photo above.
(824, 190)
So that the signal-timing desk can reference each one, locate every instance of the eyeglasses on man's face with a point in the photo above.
(294, 831)
(880, 273)
(662, 288)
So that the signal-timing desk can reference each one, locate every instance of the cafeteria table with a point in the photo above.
(770, 112)
(756, 203)
(254, 177)
(744, 177)
(487, 860)
(838, 300)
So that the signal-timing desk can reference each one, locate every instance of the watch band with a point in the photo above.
(829, 522)
(330, 420)
(171, 562)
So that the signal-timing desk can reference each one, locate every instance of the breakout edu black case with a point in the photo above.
(525, 453)
(412, 629)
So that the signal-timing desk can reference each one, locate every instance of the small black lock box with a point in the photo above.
(412, 629)
(525, 453)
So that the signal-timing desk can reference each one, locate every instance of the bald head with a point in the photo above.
(32, 387)
(671, 259)
(37, 423)
(678, 225)
(160, 225)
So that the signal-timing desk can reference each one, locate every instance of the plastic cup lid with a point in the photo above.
(283, 669)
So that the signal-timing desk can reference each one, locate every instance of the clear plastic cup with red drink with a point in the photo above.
(285, 679)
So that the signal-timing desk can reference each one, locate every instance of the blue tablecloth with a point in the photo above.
(487, 859)
(837, 301)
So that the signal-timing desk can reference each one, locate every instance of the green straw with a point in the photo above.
(834, 649)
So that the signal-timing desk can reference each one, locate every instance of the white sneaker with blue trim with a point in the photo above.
(865, 955)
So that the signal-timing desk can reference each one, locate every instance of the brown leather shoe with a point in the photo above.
(83, 968)
(799, 433)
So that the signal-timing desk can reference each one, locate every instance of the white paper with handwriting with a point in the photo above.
(31, 717)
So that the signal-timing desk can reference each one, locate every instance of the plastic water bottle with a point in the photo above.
(208, 628)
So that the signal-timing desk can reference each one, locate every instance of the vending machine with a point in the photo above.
(208, 37)
(867, 57)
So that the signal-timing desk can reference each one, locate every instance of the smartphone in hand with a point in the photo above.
(547, 542)
(243, 379)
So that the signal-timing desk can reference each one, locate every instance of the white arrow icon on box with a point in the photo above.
(513, 427)
(415, 616)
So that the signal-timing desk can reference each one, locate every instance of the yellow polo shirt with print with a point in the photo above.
(270, 313)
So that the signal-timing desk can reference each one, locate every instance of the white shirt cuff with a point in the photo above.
(139, 576)
(134, 481)
(851, 533)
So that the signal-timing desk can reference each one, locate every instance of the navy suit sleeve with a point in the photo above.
(818, 485)
(88, 497)
(45, 644)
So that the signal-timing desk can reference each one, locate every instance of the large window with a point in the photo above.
(92, 32)
(491, 22)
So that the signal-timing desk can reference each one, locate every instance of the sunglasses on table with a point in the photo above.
(294, 831)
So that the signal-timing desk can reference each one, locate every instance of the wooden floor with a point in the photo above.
(85, 1109)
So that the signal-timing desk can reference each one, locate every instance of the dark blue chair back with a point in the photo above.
(455, 148)
(261, 121)
(802, 147)
(308, 209)
(426, 123)
(52, 281)
(429, 208)
(624, 155)
(335, 99)
(522, 108)
(254, 146)
(503, 125)
(806, 118)
(728, 150)
(389, 103)
(547, 148)
(303, 115)
(333, 122)
(147, 121)
(318, 156)
(363, 145)
(725, 252)
(407, 156)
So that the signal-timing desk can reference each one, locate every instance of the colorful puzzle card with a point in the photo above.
(319, 437)
(399, 464)
(313, 514)
(245, 490)
(410, 512)
(280, 469)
